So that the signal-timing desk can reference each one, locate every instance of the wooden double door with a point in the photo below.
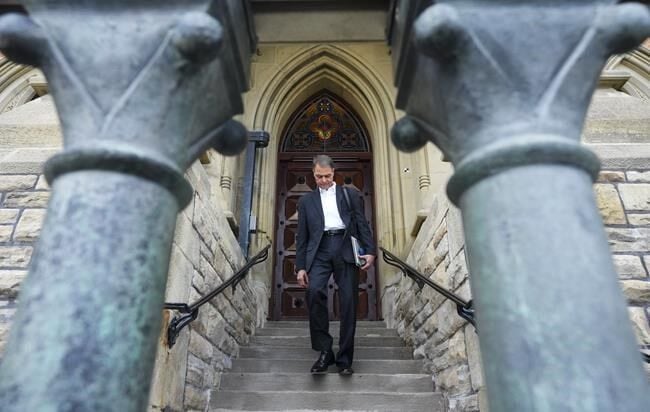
(295, 178)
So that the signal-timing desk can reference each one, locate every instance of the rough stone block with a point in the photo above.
(454, 354)
(429, 227)
(473, 357)
(168, 381)
(457, 350)
(221, 361)
(636, 291)
(442, 251)
(216, 326)
(15, 257)
(30, 200)
(440, 232)
(196, 398)
(228, 345)
(611, 177)
(5, 233)
(609, 204)
(8, 216)
(199, 283)
(179, 277)
(454, 380)
(10, 281)
(200, 347)
(425, 263)
(438, 355)
(421, 317)
(635, 196)
(235, 327)
(629, 266)
(12, 183)
(639, 319)
(26, 160)
(428, 350)
(638, 177)
(458, 271)
(464, 291)
(629, 240)
(448, 321)
(196, 370)
(455, 232)
(639, 219)
(30, 225)
(469, 403)
(187, 239)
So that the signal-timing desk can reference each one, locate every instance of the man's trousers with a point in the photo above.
(346, 275)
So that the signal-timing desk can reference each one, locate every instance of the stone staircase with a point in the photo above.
(272, 374)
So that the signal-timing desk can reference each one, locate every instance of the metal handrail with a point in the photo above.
(463, 308)
(191, 312)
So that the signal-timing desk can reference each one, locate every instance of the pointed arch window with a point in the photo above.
(325, 123)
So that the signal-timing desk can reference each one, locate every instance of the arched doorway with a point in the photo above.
(326, 124)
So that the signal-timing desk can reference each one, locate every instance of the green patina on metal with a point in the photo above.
(502, 88)
(142, 89)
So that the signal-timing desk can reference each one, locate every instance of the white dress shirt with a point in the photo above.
(330, 208)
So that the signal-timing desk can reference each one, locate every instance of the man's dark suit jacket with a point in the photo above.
(311, 224)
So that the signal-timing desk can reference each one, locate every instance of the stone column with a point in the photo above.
(502, 87)
(142, 89)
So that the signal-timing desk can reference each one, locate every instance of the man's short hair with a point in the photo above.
(323, 161)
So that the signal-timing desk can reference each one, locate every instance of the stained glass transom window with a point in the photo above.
(325, 124)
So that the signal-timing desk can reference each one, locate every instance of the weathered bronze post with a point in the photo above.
(142, 87)
(502, 87)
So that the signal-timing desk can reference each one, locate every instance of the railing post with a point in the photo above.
(502, 88)
(142, 88)
(256, 139)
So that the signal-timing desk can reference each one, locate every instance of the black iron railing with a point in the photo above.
(463, 308)
(191, 312)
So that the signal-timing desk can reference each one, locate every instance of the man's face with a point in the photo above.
(324, 176)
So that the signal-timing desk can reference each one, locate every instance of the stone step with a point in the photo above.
(325, 401)
(283, 352)
(333, 324)
(244, 365)
(369, 332)
(332, 382)
(304, 341)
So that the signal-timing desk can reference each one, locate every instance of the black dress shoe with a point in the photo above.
(323, 362)
(345, 371)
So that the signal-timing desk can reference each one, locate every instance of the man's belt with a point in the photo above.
(334, 232)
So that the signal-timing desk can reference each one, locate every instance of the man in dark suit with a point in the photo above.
(323, 246)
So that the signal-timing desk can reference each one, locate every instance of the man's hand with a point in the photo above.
(370, 259)
(303, 279)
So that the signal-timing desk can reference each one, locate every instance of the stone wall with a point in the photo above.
(23, 199)
(205, 253)
(449, 345)
(428, 322)
(624, 201)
